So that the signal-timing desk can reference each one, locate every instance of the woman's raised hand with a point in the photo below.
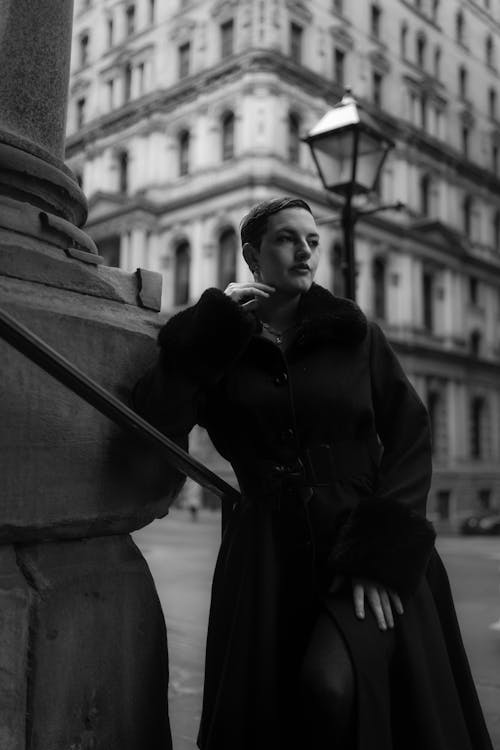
(248, 295)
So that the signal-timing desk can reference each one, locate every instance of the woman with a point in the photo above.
(331, 623)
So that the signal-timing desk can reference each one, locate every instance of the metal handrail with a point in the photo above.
(33, 347)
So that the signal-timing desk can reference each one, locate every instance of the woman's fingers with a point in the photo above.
(386, 607)
(398, 605)
(358, 593)
(373, 597)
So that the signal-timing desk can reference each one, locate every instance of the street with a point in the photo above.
(181, 555)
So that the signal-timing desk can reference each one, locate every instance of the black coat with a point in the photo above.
(338, 385)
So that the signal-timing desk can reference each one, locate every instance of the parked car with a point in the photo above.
(484, 523)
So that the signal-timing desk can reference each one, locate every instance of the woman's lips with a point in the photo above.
(300, 269)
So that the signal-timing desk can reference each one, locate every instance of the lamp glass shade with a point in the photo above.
(348, 160)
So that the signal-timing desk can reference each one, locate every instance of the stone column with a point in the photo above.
(83, 660)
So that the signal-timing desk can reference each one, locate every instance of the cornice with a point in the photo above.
(288, 72)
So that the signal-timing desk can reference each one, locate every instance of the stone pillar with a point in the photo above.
(83, 660)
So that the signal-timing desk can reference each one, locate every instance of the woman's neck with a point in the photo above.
(279, 310)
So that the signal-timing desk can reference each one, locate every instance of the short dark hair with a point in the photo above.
(253, 226)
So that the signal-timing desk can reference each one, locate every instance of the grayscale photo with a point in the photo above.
(250, 375)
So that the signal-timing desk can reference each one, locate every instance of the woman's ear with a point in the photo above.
(251, 256)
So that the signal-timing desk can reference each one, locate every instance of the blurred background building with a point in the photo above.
(184, 113)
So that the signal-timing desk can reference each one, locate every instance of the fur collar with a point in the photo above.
(325, 317)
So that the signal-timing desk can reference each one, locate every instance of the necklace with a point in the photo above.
(278, 335)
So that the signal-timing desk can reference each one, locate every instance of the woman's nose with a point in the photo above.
(303, 249)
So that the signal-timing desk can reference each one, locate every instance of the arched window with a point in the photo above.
(184, 142)
(337, 270)
(421, 46)
(428, 300)
(460, 27)
(228, 136)
(293, 138)
(496, 231)
(476, 426)
(228, 250)
(467, 216)
(123, 171)
(433, 404)
(425, 189)
(437, 62)
(435, 10)
(379, 288)
(462, 81)
(489, 51)
(181, 274)
(403, 40)
(127, 86)
(475, 343)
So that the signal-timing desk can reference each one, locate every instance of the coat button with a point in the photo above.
(287, 435)
(281, 379)
(278, 469)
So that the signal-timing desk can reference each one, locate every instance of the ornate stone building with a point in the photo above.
(184, 113)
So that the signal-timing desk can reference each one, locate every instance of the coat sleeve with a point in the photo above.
(387, 538)
(197, 346)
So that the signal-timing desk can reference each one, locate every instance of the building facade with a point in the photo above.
(184, 113)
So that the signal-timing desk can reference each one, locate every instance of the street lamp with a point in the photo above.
(349, 150)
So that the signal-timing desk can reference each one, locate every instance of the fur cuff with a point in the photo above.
(207, 337)
(385, 541)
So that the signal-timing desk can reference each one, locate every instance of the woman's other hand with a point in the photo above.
(383, 602)
(248, 295)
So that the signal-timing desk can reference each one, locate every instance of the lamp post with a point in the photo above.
(349, 150)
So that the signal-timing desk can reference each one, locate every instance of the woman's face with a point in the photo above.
(289, 251)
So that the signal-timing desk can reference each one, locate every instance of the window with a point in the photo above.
(425, 185)
(339, 66)
(443, 504)
(421, 49)
(473, 290)
(227, 38)
(492, 103)
(81, 106)
(338, 6)
(428, 300)
(437, 62)
(379, 288)
(84, 49)
(477, 418)
(152, 11)
(462, 82)
(181, 274)
(433, 407)
(338, 270)
(123, 171)
(375, 16)
(460, 27)
(184, 59)
(496, 231)
(484, 497)
(475, 343)
(293, 138)
(140, 77)
(494, 159)
(228, 136)
(296, 34)
(467, 216)
(130, 20)
(184, 142)
(110, 32)
(403, 41)
(228, 252)
(489, 51)
(111, 92)
(423, 111)
(377, 88)
(465, 140)
(127, 87)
